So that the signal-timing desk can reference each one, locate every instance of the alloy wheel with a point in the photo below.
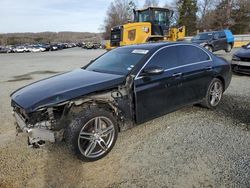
(96, 137)
(216, 93)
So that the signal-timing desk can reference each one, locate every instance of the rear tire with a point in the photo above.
(214, 94)
(209, 48)
(229, 48)
(92, 133)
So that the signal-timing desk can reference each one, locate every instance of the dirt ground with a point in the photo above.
(193, 147)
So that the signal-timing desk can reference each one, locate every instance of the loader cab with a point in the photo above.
(158, 17)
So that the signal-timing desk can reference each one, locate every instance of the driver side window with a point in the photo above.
(166, 58)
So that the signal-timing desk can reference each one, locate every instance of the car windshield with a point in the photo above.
(118, 61)
(203, 36)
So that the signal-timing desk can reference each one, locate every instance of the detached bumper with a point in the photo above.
(35, 135)
(241, 67)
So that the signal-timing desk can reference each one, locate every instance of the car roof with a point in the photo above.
(153, 45)
(211, 32)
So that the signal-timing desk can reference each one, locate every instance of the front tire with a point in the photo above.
(214, 94)
(92, 134)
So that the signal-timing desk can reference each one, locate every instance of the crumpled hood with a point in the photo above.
(63, 87)
(243, 53)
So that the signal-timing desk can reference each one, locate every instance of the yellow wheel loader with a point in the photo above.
(150, 24)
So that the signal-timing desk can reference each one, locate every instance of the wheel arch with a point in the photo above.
(222, 80)
(81, 118)
(103, 104)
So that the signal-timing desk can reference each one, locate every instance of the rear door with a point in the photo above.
(220, 42)
(196, 68)
(223, 40)
(216, 42)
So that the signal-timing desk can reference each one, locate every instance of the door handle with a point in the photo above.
(177, 74)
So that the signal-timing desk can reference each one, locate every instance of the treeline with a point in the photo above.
(48, 37)
(219, 14)
(196, 15)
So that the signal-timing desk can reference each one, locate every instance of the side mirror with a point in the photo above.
(150, 71)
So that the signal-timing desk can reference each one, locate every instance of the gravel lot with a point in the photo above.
(193, 147)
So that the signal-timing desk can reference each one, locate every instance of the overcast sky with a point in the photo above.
(54, 15)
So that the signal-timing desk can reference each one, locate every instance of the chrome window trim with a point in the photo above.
(137, 77)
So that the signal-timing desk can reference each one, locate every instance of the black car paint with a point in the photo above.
(63, 87)
(160, 94)
(152, 95)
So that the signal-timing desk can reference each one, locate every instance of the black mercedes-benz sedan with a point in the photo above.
(241, 60)
(124, 87)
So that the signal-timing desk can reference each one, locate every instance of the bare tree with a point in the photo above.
(222, 17)
(221, 14)
(241, 15)
(188, 15)
(205, 17)
(204, 6)
(174, 7)
(118, 13)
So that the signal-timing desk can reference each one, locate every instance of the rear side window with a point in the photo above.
(188, 54)
(222, 34)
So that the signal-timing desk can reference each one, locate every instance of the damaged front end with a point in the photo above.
(48, 123)
(41, 125)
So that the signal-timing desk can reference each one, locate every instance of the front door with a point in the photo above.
(158, 94)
